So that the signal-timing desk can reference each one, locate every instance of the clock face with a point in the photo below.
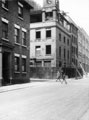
(49, 1)
(56, 1)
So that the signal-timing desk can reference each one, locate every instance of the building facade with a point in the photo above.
(51, 37)
(83, 49)
(14, 41)
(74, 46)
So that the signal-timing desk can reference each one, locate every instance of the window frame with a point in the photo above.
(48, 35)
(37, 52)
(17, 36)
(5, 4)
(47, 63)
(24, 62)
(68, 42)
(48, 52)
(17, 63)
(64, 38)
(20, 10)
(64, 53)
(39, 32)
(24, 39)
(60, 49)
(60, 37)
(5, 22)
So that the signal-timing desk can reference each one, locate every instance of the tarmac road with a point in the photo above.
(47, 101)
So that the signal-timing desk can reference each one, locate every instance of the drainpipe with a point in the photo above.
(1, 67)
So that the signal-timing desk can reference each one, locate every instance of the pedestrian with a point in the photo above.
(58, 76)
(64, 78)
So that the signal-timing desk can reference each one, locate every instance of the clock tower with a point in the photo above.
(51, 3)
(50, 10)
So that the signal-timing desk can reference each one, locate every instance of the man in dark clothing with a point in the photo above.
(64, 78)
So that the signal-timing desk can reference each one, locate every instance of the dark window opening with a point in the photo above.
(64, 39)
(17, 63)
(67, 41)
(60, 52)
(23, 64)
(38, 34)
(59, 36)
(36, 18)
(68, 55)
(64, 53)
(4, 30)
(20, 11)
(49, 15)
(48, 33)
(16, 35)
(38, 63)
(5, 4)
(23, 38)
(48, 49)
(47, 63)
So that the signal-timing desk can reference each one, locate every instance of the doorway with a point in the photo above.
(6, 68)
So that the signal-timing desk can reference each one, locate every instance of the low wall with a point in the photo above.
(50, 73)
(40, 72)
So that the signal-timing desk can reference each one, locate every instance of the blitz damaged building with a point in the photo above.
(53, 41)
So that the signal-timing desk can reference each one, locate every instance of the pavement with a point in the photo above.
(33, 82)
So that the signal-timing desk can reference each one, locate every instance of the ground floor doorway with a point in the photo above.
(6, 68)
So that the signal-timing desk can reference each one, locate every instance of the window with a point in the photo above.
(20, 10)
(67, 41)
(5, 4)
(23, 38)
(38, 51)
(48, 33)
(49, 15)
(60, 52)
(64, 39)
(64, 53)
(38, 63)
(47, 63)
(68, 55)
(17, 63)
(23, 64)
(38, 35)
(16, 35)
(59, 36)
(48, 49)
(4, 30)
(31, 63)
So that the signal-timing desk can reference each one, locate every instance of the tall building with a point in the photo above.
(83, 49)
(14, 41)
(52, 38)
(74, 46)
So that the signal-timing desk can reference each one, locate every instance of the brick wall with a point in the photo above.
(12, 16)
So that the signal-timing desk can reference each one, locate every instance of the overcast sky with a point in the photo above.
(78, 10)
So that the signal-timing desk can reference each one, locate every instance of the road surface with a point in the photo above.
(47, 101)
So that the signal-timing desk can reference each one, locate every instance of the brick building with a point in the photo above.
(51, 38)
(14, 41)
